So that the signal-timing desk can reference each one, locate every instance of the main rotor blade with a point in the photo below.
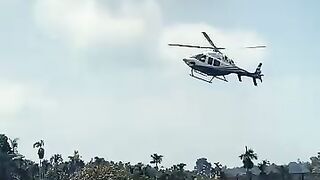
(191, 46)
(208, 39)
(252, 47)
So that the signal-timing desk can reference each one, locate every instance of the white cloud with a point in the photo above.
(233, 40)
(11, 96)
(16, 96)
(83, 23)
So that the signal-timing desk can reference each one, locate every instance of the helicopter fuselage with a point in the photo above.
(213, 64)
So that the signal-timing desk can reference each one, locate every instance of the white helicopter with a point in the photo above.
(214, 63)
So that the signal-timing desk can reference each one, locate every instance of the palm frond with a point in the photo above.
(36, 145)
(42, 142)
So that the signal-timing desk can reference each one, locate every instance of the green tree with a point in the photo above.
(11, 163)
(263, 166)
(56, 159)
(46, 166)
(203, 167)
(4, 144)
(284, 172)
(156, 159)
(181, 166)
(40, 145)
(217, 171)
(59, 169)
(14, 145)
(98, 160)
(315, 164)
(176, 172)
(75, 162)
(102, 172)
(247, 159)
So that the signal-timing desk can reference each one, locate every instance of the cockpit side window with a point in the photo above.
(198, 56)
(202, 58)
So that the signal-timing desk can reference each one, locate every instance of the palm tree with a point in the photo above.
(14, 155)
(247, 158)
(156, 159)
(40, 145)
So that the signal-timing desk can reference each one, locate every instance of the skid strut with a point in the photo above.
(208, 81)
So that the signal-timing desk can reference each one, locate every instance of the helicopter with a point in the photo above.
(217, 65)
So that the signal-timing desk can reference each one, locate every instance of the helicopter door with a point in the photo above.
(210, 60)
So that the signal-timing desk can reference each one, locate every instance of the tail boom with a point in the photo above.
(255, 75)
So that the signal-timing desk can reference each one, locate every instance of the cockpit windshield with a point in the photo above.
(198, 56)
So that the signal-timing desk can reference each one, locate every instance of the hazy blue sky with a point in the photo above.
(98, 76)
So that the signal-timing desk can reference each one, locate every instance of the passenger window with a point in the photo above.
(210, 60)
(216, 63)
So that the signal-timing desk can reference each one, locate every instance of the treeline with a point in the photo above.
(14, 166)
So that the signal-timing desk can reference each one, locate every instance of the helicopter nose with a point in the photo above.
(189, 62)
(186, 60)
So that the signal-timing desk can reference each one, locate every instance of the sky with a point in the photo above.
(98, 77)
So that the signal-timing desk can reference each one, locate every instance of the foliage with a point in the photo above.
(39, 145)
(11, 163)
(101, 172)
(217, 171)
(315, 164)
(284, 171)
(4, 144)
(156, 159)
(181, 166)
(203, 167)
(247, 158)
(262, 166)
(176, 172)
(56, 159)
(14, 145)
(14, 166)
(75, 162)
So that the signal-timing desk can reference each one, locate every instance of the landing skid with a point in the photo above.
(205, 80)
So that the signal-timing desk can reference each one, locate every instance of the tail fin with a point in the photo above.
(257, 75)
(258, 70)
